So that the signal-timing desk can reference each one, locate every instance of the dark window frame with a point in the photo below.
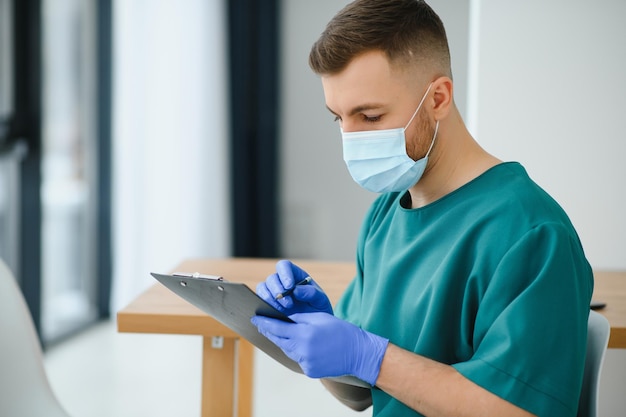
(25, 125)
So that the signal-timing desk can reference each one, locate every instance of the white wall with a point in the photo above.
(552, 94)
(170, 139)
(540, 82)
(320, 207)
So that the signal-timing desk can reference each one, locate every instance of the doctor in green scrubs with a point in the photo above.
(472, 289)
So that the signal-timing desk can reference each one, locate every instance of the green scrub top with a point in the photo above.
(491, 279)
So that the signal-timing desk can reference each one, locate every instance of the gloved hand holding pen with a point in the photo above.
(299, 298)
(322, 344)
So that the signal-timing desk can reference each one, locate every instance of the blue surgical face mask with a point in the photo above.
(377, 159)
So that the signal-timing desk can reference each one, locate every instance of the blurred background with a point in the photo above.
(135, 134)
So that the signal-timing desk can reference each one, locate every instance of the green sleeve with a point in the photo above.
(531, 325)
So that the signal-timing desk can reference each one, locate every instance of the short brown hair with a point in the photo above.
(407, 31)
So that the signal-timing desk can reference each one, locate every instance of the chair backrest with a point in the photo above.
(598, 332)
(24, 387)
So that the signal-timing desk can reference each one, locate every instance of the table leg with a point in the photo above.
(218, 377)
(245, 374)
(227, 377)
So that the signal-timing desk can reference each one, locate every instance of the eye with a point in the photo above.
(371, 119)
(337, 119)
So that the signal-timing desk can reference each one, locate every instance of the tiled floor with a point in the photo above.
(102, 373)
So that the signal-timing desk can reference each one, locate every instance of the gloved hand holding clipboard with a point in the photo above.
(234, 304)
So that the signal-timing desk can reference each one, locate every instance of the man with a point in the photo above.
(472, 290)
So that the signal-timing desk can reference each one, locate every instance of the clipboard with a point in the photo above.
(233, 304)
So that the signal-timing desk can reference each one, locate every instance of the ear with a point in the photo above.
(443, 97)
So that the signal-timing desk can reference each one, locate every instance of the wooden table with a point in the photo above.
(227, 360)
(610, 287)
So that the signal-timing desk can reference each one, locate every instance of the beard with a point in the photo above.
(420, 137)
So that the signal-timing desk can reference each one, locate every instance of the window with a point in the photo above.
(69, 166)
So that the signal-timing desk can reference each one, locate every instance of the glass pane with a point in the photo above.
(68, 167)
(6, 62)
(9, 206)
(9, 155)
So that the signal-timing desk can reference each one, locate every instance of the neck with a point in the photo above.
(455, 160)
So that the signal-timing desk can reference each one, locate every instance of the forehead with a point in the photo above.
(367, 78)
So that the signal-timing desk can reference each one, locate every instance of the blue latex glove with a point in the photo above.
(304, 299)
(326, 346)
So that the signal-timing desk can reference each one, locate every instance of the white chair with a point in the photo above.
(598, 331)
(24, 387)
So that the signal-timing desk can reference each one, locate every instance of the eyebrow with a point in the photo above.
(359, 109)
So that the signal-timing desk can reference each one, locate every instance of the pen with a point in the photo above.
(289, 291)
